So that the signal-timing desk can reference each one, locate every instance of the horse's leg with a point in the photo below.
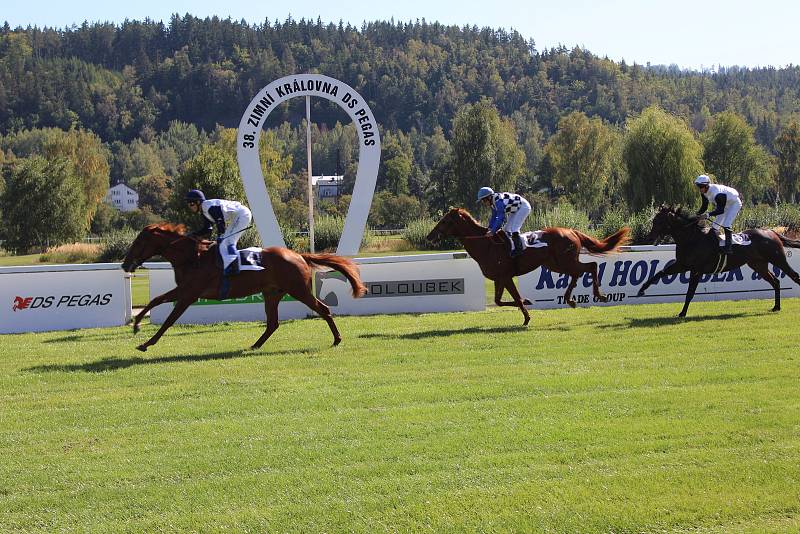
(499, 287)
(591, 268)
(321, 308)
(512, 290)
(568, 299)
(781, 263)
(177, 311)
(693, 281)
(673, 268)
(271, 302)
(762, 268)
(169, 296)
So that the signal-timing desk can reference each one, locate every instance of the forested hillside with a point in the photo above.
(156, 95)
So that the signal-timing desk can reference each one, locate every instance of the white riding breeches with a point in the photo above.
(726, 218)
(515, 220)
(227, 248)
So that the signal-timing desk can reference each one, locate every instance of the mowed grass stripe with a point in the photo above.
(612, 419)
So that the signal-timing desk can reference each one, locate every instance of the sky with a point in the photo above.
(695, 34)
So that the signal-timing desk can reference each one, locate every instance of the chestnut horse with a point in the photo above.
(198, 275)
(561, 255)
(697, 251)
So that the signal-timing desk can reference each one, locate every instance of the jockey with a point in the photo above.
(231, 218)
(727, 205)
(508, 208)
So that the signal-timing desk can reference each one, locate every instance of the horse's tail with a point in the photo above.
(604, 246)
(792, 243)
(345, 266)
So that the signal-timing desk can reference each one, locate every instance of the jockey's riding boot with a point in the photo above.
(232, 269)
(517, 245)
(728, 241)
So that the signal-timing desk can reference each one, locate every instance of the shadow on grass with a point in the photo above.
(458, 331)
(113, 364)
(175, 331)
(651, 322)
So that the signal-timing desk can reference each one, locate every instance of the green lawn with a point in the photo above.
(591, 420)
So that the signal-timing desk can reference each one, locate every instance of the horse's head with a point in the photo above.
(154, 239)
(670, 220)
(457, 222)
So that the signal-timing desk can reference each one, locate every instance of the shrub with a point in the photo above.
(563, 214)
(71, 253)
(116, 246)
(328, 230)
(417, 232)
(612, 220)
(640, 223)
(763, 216)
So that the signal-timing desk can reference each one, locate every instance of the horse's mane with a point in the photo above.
(684, 215)
(167, 227)
(466, 214)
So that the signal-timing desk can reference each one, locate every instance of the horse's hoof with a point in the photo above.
(682, 315)
(526, 321)
(640, 293)
(572, 303)
(337, 341)
(776, 309)
(602, 298)
(135, 329)
(527, 302)
(142, 348)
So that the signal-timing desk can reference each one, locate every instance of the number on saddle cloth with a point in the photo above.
(250, 259)
(740, 239)
(533, 239)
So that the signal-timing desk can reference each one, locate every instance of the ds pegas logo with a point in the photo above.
(63, 301)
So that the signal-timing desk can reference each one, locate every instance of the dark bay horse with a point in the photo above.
(697, 250)
(561, 255)
(198, 275)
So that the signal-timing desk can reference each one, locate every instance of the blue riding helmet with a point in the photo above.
(195, 195)
(485, 192)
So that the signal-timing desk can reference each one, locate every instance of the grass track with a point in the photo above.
(602, 419)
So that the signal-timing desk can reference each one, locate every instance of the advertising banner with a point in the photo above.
(624, 273)
(62, 297)
(396, 284)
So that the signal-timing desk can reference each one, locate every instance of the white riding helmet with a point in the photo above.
(702, 180)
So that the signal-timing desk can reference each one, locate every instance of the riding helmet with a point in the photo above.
(485, 192)
(195, 195)
(702, 180)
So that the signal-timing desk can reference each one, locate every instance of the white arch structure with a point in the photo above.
(368, 155)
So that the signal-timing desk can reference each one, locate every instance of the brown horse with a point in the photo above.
(198, 275)
(561, 255)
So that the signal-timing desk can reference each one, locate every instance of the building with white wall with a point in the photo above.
(122, 197)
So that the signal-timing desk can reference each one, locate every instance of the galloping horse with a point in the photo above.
(197, 275)
(561, 255)
(697, 251)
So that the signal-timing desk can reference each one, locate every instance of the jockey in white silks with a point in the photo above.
(509, 208)
(727, 205)
(230, 218)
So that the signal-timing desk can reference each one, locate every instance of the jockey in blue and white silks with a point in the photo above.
(727, 205)
(509, 210)
(230, 217)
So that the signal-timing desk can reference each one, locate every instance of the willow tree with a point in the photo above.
(661, 157)
(485, 152)
(732, 155)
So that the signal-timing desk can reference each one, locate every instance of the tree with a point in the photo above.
(215, 172)
(730, 153)
(154, 192)
(661, 157)
(485, 152)
(582, 154)
(82, 148)
(787, 146)
(42, 204)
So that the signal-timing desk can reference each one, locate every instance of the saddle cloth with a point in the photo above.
(250, 259)
(533, 239)
(736, 239)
